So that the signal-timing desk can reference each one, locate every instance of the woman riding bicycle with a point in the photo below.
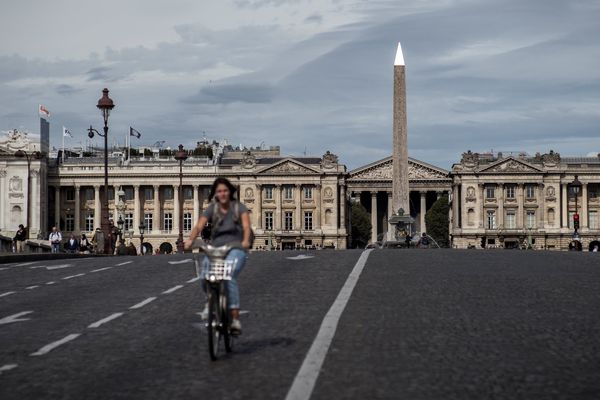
(230, 224)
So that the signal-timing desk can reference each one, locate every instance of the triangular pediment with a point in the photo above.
(288, 166)
(511, 165)
(382, 171)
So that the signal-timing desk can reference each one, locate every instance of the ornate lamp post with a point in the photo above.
(181, 156)
(120, 224)
(36, 155)
(576, 188)
(142, 228)
(105, 105)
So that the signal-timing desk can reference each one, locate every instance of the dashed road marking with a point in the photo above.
(7, 367)
(174, 288)
(15, 318)
(187, 260)
(32, 287)
(123, 263)
(25, 264)
(105, 320)
(2, 269)
(49, 347)
(72, 276)
(50, 283)
(61, 266)
(100, 269)
(193, 280)
(307, 376)
(142, 303)
(300, 257)
(7, 294)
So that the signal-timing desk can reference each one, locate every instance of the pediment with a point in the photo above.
(288, 167)
(511, 165)
(382, 171)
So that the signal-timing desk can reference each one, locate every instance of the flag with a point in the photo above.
(43, 111)
(133, 132)
(66, 132)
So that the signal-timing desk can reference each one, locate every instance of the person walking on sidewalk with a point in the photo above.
(55, 238)
(20, 238)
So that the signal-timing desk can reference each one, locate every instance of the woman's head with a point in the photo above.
(222, 190)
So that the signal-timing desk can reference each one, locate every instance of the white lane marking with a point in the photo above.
(25, 264)
(49, 347)
(242, 312)
(174, 288)
(2, 269)
(32, 287)
(306, 378)
(50, 283)
(123, 263)
(300, 257)
(187, 260)
(72, 276)
(193, 280)
(142, 303)
(15, 318)
(105, 320)
(100, 269)
(7, 367)
(59, 266)
(7, 294)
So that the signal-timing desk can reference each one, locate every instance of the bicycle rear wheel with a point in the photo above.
(213, 324)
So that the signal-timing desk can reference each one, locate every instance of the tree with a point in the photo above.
(437, 222)
(361, 226)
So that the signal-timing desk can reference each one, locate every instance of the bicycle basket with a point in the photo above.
(219, 271)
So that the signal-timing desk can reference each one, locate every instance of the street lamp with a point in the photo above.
(37, 155)
(105, 105)
(142, 228)
(576, 188)
(120, 224)
(180, 156)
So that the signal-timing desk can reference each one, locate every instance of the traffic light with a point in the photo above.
(576, 221)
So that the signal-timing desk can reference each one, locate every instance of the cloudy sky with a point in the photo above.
(502, 75)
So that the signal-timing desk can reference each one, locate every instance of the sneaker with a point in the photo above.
(235, 327)
(204, 313)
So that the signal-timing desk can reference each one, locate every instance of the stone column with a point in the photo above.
(319, 215)
(373, 217)
(57, 206)
(400, 187)
(196, 213)
(584, 206)
(455, 200)
(298, 203)
(564, 202)
(343, 224)
(116, 211)
(76, 226)
(136, 207)
(176, 210)
(4, 218)
(277, 216)
(156, 211)
(34, 204)
(540, 215)
(258, 206)
(97, 206)
(482, 221)
(520, 204)
(500, 198)
(423, 211)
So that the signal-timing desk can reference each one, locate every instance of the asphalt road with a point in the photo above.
(419, 324)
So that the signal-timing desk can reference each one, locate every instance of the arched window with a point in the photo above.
(551, 216)
(471, 217)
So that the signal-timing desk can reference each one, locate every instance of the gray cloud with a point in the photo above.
(314, 19)
(230, 93)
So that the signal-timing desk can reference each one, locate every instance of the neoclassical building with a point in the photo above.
(509, 200)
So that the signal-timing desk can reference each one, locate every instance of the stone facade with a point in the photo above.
(517, 200)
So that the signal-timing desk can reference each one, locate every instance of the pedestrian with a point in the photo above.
(98, 241)
(20, 238)
(55, 238)
(423, 242)
(84, 244)
(121, 248)
(131, 250)
(72, 245)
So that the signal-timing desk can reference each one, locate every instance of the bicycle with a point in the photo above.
(215, 279)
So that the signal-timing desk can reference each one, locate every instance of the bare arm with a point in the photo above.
(245, 217)
(196, 230)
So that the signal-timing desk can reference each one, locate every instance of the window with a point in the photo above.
(188, 192)
(510, 192)
(148, 193)
(148, 221)
(491, 220)
(89, 221)
(551, 216)
(69, 222)
(308, 192)
(269, 220)
(89, 193)
(471, 217)
(288, 192)
(511, 220)
(128, 193)
(593, 220)
(308, 220)
(128, 226)
(187, 221)
(530, 191)
(490, 192)
(70, 194)
(288, 221)
(168, 193)
(530, 219)
(168, 222)
(269, 193)
(570, 221)
(592, 191)
(111, 193)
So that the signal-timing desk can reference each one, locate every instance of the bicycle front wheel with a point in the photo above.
(225, 319)
(214, 323)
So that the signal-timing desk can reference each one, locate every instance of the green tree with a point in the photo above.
(437, 222)
(361, 226)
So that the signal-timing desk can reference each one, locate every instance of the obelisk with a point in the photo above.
(400, 191)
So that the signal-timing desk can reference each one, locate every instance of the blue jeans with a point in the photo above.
(56, 247)
(238, 258)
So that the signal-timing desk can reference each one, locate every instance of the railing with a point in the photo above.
(5, 244)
